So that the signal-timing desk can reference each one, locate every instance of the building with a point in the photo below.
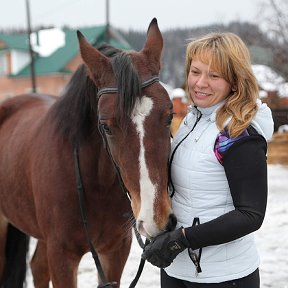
(56, 58)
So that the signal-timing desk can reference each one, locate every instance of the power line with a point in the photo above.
(55, 10)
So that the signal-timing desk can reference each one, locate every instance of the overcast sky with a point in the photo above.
(127, 14)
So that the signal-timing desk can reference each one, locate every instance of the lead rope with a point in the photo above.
(173, 153)
(193, 256)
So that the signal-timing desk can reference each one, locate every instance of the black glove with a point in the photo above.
(163, 249)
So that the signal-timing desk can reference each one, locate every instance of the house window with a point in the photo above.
(3, 64)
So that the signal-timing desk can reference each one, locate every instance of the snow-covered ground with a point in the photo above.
(272, 240)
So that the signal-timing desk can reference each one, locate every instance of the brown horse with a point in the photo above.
(115, 92)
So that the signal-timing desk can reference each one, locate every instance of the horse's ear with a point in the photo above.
(94, 60)
(154, 42)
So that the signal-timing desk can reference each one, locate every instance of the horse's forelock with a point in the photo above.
(129, 85)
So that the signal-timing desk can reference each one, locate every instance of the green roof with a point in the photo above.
(56, 62)
(19, 41)
(261, 55)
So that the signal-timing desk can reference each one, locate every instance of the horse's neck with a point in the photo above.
(96, 155)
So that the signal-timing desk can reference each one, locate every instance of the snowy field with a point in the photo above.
(272, 240)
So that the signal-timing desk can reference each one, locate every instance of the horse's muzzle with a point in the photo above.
(172, 222)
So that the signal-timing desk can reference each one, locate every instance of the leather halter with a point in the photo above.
(81, 195)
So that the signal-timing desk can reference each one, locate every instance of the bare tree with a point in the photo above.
(274, 15)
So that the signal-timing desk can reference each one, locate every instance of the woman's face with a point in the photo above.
(206, 88)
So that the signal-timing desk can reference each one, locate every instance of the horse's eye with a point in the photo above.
(106, 129)
(169, 119)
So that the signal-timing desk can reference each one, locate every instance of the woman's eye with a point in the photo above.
(215, 76)
(194, 72)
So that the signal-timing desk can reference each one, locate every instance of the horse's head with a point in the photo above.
(135, 113)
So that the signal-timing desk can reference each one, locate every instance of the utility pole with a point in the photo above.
(107, 30)
(32, 62)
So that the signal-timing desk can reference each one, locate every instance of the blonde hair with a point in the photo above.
(227, 54)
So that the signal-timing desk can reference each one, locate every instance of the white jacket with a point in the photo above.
(201, 190)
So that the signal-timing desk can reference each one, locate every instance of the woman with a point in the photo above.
(218, 172)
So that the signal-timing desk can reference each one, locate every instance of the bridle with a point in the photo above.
(114, 90)
(81, 194)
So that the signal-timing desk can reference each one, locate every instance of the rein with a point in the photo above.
(81, 196)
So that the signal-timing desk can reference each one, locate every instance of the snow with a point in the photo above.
(283, 128)
(283, 90)
(47, 41)
(272, 241)
(273, 235)
(269, 80)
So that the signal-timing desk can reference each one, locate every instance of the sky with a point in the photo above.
(127, 14)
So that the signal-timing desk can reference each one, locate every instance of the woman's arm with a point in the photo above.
(246, 170)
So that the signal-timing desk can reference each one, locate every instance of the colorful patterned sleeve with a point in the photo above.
(224, 142)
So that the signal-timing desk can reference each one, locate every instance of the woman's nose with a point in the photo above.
(202, 81)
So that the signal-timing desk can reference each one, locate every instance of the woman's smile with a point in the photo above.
(199, 94)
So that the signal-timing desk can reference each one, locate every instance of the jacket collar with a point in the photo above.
(208, 113)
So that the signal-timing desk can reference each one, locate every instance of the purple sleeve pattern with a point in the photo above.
(224, 142)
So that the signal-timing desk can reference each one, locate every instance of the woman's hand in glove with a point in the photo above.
(163, 249)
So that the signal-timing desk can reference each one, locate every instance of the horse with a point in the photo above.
(116, 115)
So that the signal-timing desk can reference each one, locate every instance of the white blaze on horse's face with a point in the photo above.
(145, 222)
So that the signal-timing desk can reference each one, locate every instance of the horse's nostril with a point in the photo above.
(171, 222)
(140, 227)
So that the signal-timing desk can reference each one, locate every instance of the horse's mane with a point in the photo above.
(75, 113)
